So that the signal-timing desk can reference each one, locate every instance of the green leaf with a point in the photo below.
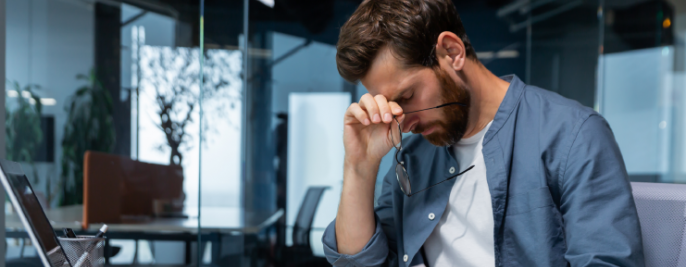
(89, 127)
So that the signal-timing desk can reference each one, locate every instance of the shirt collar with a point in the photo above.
(511, 100)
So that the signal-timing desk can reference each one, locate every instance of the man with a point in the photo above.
(503, 174)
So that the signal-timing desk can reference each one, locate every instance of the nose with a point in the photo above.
(408, 122)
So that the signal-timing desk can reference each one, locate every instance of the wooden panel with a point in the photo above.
(115, 186)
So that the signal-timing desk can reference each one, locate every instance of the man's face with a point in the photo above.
(421, 88)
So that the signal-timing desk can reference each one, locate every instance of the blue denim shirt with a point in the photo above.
(558, 184)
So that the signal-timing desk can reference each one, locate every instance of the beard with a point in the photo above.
(450, 130)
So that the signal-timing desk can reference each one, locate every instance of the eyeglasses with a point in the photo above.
(400, 171)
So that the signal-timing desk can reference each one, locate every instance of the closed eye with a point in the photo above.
(405, 100)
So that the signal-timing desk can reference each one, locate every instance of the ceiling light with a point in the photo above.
(507, 54)
(48, 101)
(269, 3)
(484, 55)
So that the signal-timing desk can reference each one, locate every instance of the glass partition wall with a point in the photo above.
(292, 126)
(625, 59)
(641, 86)
(224, 222)
(102, 102)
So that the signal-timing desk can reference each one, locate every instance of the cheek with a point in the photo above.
(426, 98)
(432, 117)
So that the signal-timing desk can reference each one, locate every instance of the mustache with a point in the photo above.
(444, 135)
(420, 128)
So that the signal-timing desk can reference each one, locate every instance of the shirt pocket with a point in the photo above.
(528, 201)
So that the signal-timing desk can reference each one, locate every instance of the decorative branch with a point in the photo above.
(174, 75)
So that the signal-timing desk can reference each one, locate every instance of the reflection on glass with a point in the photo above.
(75, 83)
(169, 129)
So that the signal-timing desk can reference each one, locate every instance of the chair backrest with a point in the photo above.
(662, 213)
(114, 185)
(303, 223)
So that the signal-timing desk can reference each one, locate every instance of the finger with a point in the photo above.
(358, 114)
(368, 104)
(395, 108)
(384, 109)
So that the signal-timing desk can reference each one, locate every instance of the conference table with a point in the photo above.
(213, 222)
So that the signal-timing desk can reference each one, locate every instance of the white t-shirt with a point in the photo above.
(464, 235)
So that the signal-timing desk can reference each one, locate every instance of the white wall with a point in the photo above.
(315, 155)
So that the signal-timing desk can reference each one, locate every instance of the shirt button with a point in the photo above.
(432, 216)
(452, 170)
(405, 258)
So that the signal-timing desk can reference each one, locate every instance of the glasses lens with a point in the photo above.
(403, 179)
(396, 136)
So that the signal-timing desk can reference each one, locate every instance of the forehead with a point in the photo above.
(388, 76)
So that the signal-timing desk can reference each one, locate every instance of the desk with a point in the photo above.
(214, 222)
(213, 219)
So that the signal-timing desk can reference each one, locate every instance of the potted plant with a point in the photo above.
(89, 126)
(23, 134)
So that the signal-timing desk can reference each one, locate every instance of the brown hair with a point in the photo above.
(409, 27)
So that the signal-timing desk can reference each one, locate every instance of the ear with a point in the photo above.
(450, 48)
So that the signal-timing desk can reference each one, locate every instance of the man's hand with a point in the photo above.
(368, 129)
(367, 138)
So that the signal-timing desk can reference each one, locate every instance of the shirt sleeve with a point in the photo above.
(373, 254)
(600, 218)
(381, 248)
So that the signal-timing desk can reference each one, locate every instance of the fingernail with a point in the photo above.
(397, 110)
(376, 118)
(387, 117)
(366, 121)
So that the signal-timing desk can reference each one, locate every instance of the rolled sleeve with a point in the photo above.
(374, 252)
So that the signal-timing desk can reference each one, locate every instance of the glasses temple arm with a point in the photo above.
(444, 105)
(456, 175)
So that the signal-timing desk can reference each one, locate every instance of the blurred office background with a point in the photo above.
(255, 144)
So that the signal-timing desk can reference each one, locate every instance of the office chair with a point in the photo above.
(662, 213)
(300, 254)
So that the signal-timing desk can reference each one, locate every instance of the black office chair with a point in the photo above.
(300, 254)
(271, 253)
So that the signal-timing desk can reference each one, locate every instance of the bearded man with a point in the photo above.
(498, 173)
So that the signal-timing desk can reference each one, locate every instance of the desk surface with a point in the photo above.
(213, 219)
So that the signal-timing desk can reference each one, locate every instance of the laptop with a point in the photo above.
(31, 214)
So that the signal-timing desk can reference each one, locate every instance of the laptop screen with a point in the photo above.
(35, 216)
